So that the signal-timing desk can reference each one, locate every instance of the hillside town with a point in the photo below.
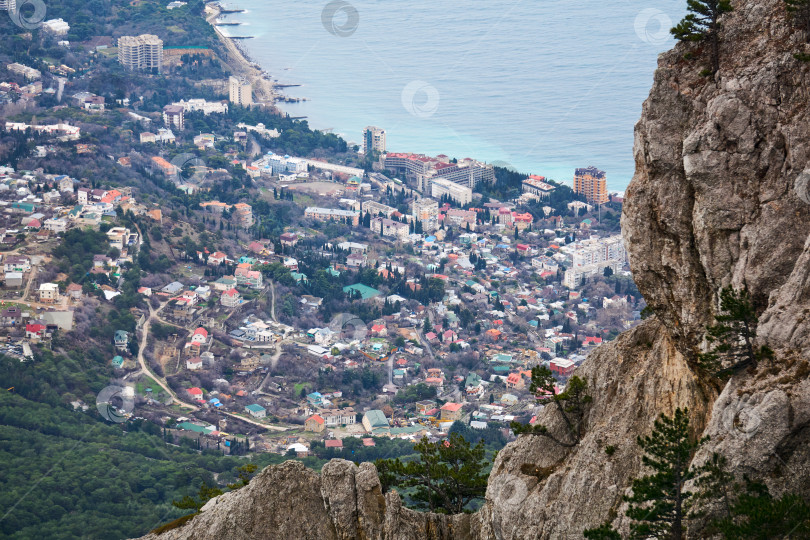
(262, 292)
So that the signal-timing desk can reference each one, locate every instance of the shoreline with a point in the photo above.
(265, 92)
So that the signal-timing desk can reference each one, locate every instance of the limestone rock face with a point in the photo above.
(721, 196)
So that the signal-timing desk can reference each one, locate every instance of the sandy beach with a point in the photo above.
(264, 90)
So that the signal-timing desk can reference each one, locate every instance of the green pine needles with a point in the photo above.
(571, 404)
(702, 24)
(732, 338)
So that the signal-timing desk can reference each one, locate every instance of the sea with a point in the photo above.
(540, 86)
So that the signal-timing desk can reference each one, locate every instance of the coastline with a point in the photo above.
(265, 91)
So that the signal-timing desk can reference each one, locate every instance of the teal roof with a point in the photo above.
(334, 272)
(472, 379)
(255, 408)
(365, 291)
(376, 418)
(502, 357)
(117, 361)
(500, 369)
(188, 426)
(298, 277)
(407, 430)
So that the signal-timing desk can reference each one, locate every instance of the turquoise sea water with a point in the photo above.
(543, 85)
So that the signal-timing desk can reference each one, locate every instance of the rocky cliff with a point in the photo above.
(721, 196)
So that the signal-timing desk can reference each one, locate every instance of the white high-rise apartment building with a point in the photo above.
(373, 139)
(8, 5)
(441, 186)
(141, 52)
(241, 91)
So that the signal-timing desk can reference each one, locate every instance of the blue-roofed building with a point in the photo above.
(315, 399)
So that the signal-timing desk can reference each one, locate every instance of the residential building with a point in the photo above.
(16, 263)
(49, 293)
(207, 107)
(537, 187)
(339, 417)
(465, 219)
(389, 227)
(248, 278)
(173, 116)
(199, 337)
(256, 411)
(230, 298)
(375, 209)
(441, 187)
(315, 424)
(273, 164)
(8, 5)
(423, 169)
(592, 183)
(288, 239)
(426, 212)
(141, 52)
(373, 140)
(451, 412)
(240, 91)
(27, 72)
(56, 225)
(331, 214)
(243, 213)
(121, 339)
(562, 367)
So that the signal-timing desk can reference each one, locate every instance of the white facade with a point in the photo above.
(141, 52)
(441, 186)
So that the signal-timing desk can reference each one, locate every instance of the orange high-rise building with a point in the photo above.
(592, 183)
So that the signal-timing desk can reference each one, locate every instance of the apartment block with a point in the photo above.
(389, 227)
(141, 52)
(426, 211)
(332, 214)
(240, 91)
(374, 209)
(592, 183)
(441, 187)
(373, 140)
(173, 116)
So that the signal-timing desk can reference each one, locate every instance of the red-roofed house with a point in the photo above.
(35, 331)
(515, 381)
(451, 411)
(379, 329)
(195, 392)
(337, 444)
(217, 258)
(314, 423)
(199, 337)
(230, 298)
(368, 441)
(592, 341)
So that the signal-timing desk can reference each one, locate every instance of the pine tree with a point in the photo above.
(570, 405)
(659, 502)
(448, 476)
(733, 336)
(702, 23)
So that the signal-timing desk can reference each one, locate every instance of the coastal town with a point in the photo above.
(256, 286)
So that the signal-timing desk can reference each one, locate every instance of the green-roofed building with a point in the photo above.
(502, 357)
(188, 426)
(365, 291)
(501, 369)
(375, 420)
(117, 362)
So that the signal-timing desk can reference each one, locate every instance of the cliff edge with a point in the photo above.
(721, 196)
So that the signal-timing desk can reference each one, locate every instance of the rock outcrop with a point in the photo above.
(721, 196)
